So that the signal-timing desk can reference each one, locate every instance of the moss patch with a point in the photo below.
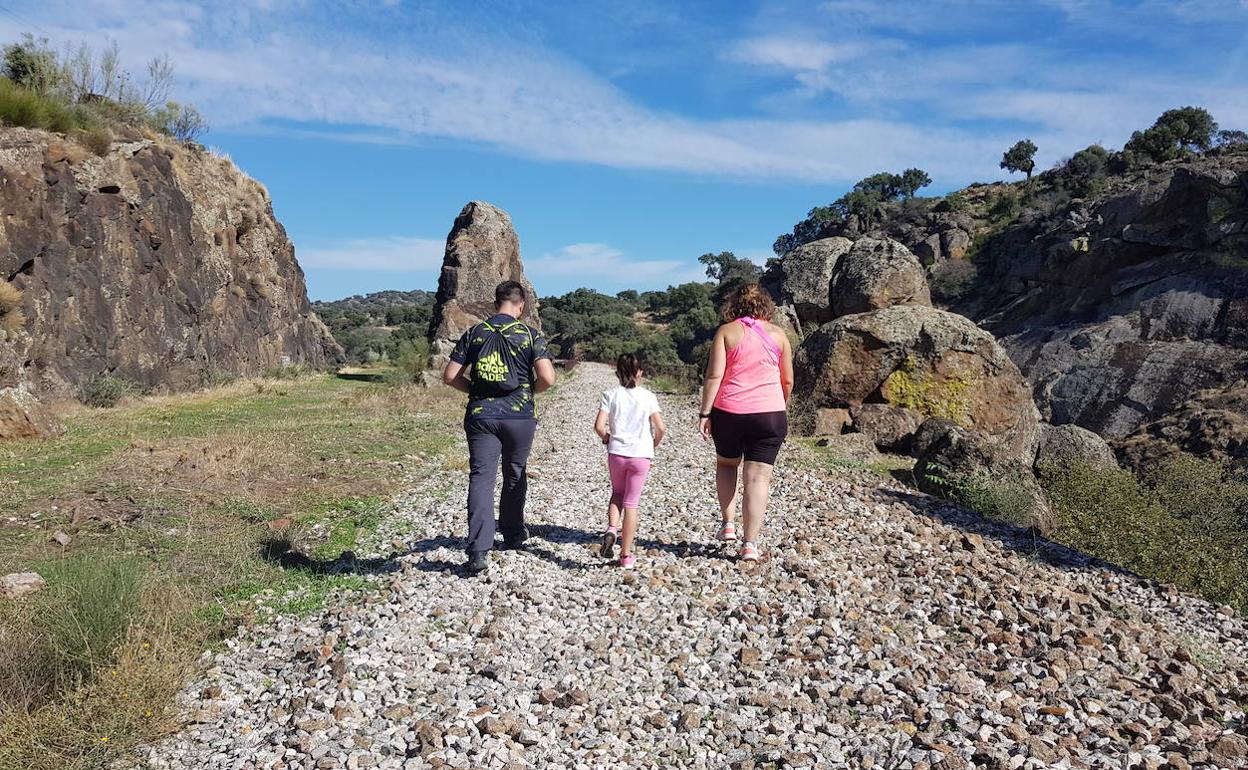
(919, 390)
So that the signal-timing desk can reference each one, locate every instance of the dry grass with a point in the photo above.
(185, 489)
(11, 317)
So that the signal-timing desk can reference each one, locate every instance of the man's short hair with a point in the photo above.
(510, 291)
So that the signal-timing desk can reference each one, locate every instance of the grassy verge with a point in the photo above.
(176, 507)
(889, 466)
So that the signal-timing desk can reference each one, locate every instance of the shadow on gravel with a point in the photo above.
(555, 533)
(1021, 540)
(280, 552)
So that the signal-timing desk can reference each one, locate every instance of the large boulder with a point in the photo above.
(23, 416)
(932, 362)
(802, 278)
(482, 251)
(877, 273)
(154, 261)
(984, 474)
(1064, 446)
(889, 427)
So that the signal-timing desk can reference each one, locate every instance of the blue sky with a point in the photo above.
(626, 138)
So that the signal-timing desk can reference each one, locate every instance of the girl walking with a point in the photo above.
(630, 424)
(749, 378)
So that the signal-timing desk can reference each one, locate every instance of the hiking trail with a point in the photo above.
(883, 628)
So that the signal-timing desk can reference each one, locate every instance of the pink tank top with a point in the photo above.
(752, 374)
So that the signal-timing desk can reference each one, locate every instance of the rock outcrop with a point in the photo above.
(1119, 300)
(482, 251)
(889, 427)
(15, 585)
(1213, 425)
(929, 361)
(875, 274)
(156, 263)
(1063, 446)
(24, 416)
(801, 281)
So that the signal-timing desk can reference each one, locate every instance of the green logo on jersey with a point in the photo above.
(491, 368)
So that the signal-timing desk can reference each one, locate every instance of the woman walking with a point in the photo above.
(749, 379)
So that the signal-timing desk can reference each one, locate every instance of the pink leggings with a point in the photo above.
(628, 476)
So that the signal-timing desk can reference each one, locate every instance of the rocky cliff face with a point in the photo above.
(482, 251)
(1119, 306)
(156, 263)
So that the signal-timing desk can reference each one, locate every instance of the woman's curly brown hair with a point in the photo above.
(749, 300)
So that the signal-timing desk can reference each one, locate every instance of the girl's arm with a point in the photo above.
(657, 427)
(714, 376)
(600, 426)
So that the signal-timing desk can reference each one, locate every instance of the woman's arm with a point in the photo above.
(657, 427)
(600, 426)
(714, 377)
(786, 368)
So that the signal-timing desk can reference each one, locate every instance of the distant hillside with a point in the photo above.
(372, 327)
(376, 301)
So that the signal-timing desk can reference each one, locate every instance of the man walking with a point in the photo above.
(500, 363)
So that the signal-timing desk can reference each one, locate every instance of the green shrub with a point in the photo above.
(107, 390)
(1004, 500)
(98, 140)
(19, 107)
(92, 601)
(1175, 523)
(62, 637)
(215, 378)
(411, 359)
(1006, 207)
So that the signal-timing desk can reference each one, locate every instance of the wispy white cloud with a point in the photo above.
(464, 86)
(396, 254)
(947, 102)
(795, 53)
(606, 267)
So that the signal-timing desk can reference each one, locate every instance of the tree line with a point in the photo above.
(1177, 133)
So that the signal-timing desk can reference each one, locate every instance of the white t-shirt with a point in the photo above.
(628, 411)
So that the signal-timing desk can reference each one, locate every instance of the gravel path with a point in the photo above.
(882, 629)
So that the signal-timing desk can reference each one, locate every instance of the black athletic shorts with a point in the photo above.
(756, 436)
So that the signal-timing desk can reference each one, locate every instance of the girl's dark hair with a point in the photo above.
(627, 367)
(749, 300)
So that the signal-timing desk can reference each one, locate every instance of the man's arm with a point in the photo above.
(545, 375)
(453, 375)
